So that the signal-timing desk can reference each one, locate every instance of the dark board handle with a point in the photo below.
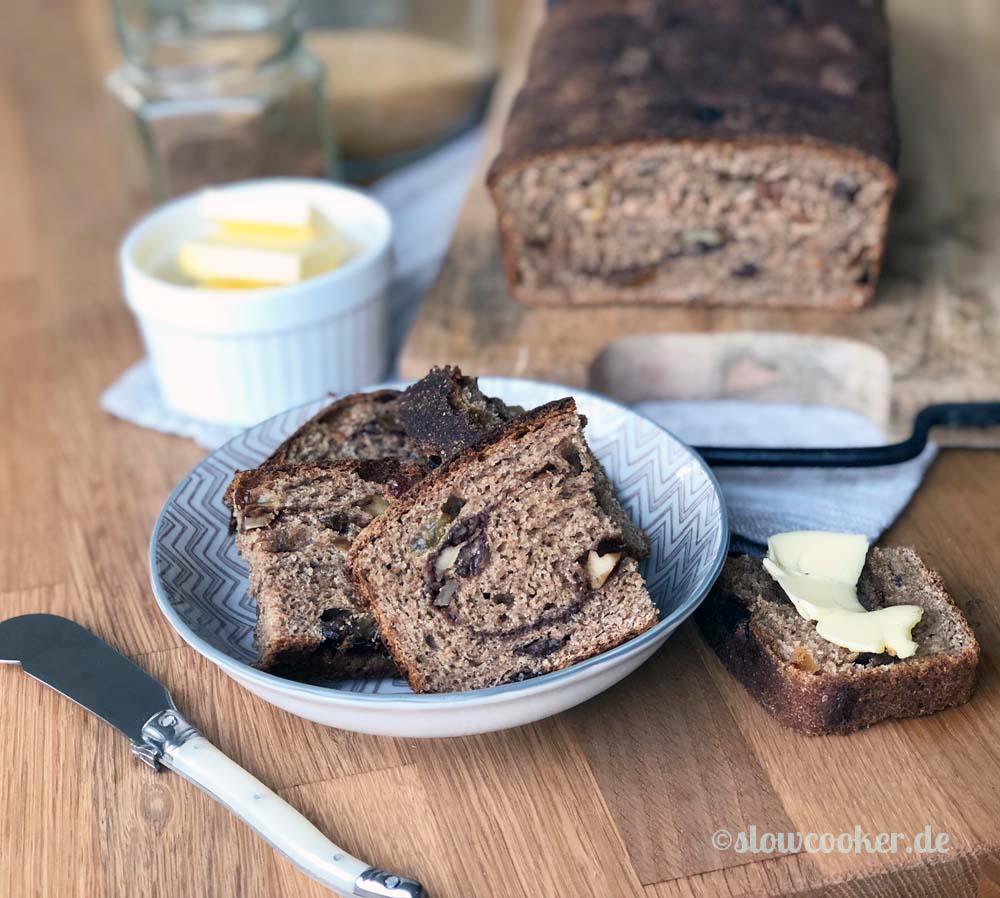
(947, 414)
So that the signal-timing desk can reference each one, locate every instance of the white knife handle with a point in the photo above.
(181, 748)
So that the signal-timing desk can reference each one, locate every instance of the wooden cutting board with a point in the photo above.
(934, 328)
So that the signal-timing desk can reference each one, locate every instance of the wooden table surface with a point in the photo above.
(617, 798)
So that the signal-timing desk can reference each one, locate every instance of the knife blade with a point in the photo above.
(79, 665)
(85, 669)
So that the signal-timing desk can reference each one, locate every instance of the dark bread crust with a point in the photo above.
(809, 75)
(295, 660)
(720, 70)
(444, 412)
(521, 427)
(822, 702)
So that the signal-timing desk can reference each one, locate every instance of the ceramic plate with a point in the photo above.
(200, 581)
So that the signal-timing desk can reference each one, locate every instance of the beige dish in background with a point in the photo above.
(392, 91)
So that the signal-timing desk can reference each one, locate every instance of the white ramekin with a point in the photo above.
(238, 357)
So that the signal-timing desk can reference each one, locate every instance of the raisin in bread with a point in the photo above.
(814, 686)
(294, 526)
(501, 564)
(445, 413)
(707, 152)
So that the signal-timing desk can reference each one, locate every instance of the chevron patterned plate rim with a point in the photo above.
(200, 585)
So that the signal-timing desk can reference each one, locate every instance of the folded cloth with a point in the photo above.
(135, 397)
(763, 501)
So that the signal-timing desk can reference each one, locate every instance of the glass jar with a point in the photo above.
(403, 76)
(218, 90)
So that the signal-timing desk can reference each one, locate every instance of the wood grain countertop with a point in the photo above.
(619, 797)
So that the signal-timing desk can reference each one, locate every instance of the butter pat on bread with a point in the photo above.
(885, 630)
(815, 597)
(836, 556)
(814, 686)
(819, 572)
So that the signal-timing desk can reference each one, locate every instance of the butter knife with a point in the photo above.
(85, 669)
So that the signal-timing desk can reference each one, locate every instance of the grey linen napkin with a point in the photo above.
(763, 501)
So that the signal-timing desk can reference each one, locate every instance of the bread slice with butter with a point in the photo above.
(814, 686)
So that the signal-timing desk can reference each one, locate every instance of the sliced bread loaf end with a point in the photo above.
(445, 412)
(814, 686)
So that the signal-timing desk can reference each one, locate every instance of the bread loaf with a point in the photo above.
(729, 152)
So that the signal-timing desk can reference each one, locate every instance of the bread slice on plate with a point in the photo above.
(445, 413)
(502, 564)
(359, 426)
(362, 425)
(294, 526)
(814, 686)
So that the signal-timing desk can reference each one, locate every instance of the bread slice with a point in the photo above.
(501, 564)
(814, 686)
(294, 525)
(445, 413)
(359, 426)
(362, 425)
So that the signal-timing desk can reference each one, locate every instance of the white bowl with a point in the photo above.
(200, 581)
(238, 357)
